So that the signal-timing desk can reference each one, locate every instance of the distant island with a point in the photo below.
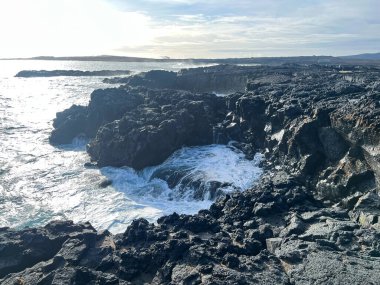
(362, 59)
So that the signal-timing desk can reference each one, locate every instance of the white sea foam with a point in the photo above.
(211, 163)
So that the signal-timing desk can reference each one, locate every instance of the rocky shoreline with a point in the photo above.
(312, 219)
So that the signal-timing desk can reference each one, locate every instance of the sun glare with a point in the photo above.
(68, 27)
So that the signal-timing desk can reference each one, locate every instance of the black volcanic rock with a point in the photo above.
(317, 122)
(296, 240)
(55, 73)
(150, 133)
(139, 127)
(312, 219)
(218, 78)
(105, 106)
(69, 124)
(23, 249)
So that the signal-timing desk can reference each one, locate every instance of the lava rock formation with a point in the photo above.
(312, 219)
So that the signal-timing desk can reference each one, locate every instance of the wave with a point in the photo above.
(189, 180)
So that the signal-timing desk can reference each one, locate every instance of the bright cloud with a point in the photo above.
(188, 28)
(68, 27)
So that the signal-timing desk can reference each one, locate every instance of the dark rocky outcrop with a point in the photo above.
(219, 78)
(55, 73)
(312, 219)
(318, 123)
(151, 133)
(105, 106)
(139, 127)
(23, 249)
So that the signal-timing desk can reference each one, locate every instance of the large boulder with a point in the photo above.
(22, 249)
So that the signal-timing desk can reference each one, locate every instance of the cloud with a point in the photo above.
(189, 28)
(271, 27)
(68, 27)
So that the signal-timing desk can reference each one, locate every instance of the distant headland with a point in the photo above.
(368, 58)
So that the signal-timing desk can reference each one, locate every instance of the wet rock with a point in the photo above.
(105, 106)
(105, 183)
(212, 247)
(68, 124)
(90, 165)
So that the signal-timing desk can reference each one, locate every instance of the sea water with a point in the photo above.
(40, 183)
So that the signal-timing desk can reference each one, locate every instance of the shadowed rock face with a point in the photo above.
(319, 130)
(104, 107)
(150, 133)
(139, 127)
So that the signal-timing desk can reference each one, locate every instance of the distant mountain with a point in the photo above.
(365, 56)
(251, 60)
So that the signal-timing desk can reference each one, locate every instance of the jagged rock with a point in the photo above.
(20, 250)
(105, 106)
(148, 135)
(328, 245)
(329, 267)
(319, 130)
(273, 244)
(351, 174)
(68, 124)
(316, 124)
(334, 146)
(367, 211)
(212, 247)
(139, 127)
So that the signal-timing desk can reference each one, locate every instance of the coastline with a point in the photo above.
(313, 214)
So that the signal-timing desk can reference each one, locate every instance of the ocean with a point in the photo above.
(40, 183)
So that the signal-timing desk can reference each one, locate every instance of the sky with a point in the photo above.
(188, 28)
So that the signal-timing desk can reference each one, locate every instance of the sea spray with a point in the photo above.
(192, 167)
